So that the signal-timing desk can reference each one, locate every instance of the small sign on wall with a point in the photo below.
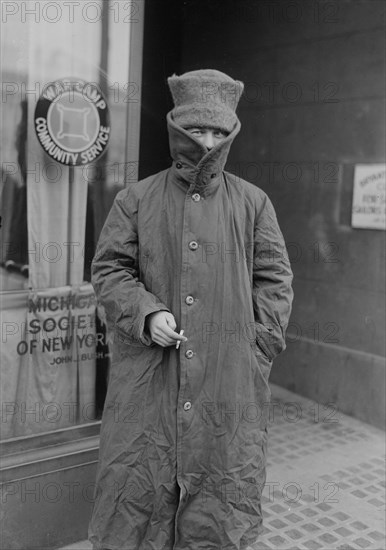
(369, 198)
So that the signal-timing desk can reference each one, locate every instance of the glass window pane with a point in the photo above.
(58, 181)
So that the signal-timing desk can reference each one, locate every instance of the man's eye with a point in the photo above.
(220, 135)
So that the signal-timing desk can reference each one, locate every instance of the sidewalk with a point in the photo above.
(326, 480)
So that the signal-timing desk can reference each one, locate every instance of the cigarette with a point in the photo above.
(179, 341)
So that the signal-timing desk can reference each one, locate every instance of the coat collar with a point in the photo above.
(193, 164)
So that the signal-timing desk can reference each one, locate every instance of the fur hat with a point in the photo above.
(205, 99)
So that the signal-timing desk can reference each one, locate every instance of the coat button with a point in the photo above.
(193, 245)
(187, 406)
(189, 300)
(213, 175)
(189, 354)
(178, 165)
(196, 197)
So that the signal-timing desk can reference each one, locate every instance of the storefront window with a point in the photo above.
(70, 112)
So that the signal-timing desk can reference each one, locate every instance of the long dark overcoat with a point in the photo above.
(183, 438)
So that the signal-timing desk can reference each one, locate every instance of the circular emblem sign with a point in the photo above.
(72, 121)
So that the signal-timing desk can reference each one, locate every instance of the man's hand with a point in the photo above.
(161, 326)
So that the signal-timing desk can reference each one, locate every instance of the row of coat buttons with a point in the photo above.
(189, 300)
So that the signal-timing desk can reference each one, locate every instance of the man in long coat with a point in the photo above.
(192, 248)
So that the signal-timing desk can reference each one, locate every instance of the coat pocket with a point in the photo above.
(264, 338)
(263, 361)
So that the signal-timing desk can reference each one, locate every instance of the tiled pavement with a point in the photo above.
(326, 480)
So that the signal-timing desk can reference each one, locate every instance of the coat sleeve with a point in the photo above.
(115, 274)
(272, 281)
